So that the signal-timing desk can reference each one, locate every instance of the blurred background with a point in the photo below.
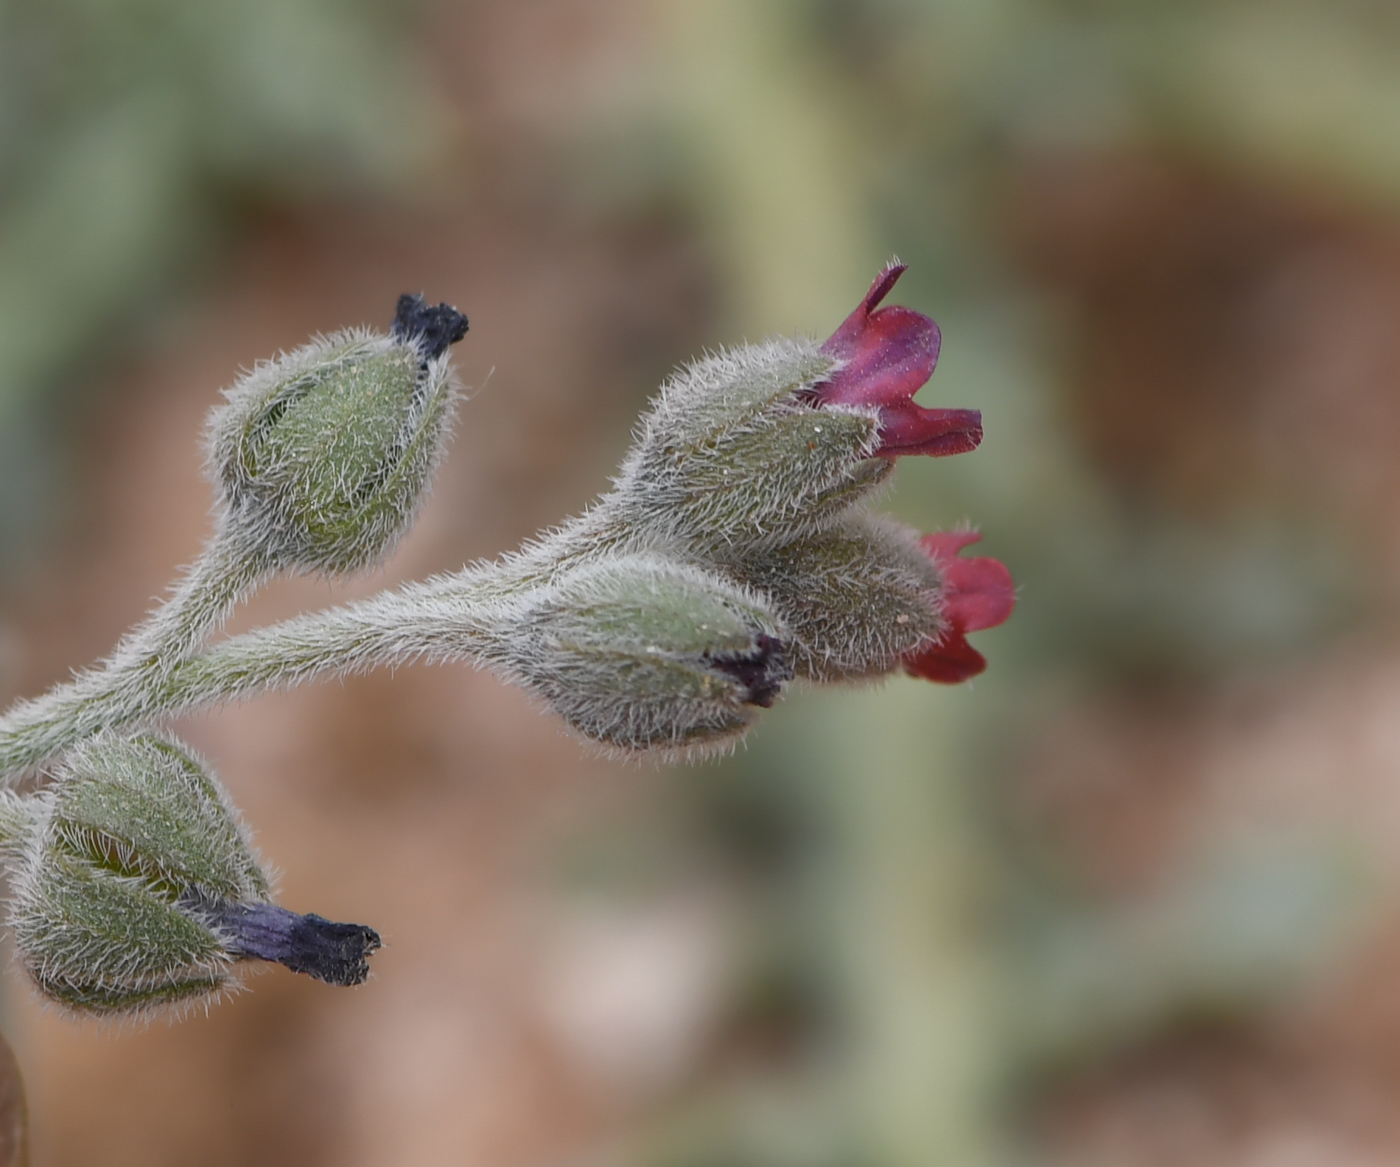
(1131, 898)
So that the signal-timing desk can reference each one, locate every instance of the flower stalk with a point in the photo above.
(481, 616)
(731, 556)
(141, 665)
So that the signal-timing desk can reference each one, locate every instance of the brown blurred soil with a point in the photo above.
(1234, 349)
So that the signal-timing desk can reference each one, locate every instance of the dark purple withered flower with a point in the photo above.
(435, 329)
(335, 953)
(886, 355)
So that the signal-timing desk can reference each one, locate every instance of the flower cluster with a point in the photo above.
(731, 556)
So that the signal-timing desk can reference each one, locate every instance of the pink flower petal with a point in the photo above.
(949, 662)
(944, 545)
(977, 593)
(887, 355)
(906, 428)
(846, 337)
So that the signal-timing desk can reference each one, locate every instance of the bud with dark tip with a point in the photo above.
(323, 456)
(641, 653)
(135, 886)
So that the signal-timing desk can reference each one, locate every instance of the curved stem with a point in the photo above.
(450, 618)
(418, 622)
(32, 731)
(154, 671)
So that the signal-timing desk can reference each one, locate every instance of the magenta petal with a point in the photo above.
(886, 363)
(844, 339)
(944, 545)
(949, 662)
(907, 428)
(977, 593)
(886, 355)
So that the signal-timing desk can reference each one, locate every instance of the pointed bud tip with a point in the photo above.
(884, 284)
(436, 328)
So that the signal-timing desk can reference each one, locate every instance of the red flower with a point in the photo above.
(886, 356)
(977, 594)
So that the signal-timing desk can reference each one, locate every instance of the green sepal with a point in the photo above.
(731, 454)
(97, 940)
(856, 598)
(324, 456)
(145, 808)
(119, 856)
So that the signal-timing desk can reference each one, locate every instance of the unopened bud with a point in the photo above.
(856, 598)
(733, 452)
(137, 887)
(640, 653)
(324, 455)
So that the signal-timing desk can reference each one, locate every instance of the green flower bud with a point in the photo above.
(324, 455)
(640, 653)
(856, 598)
(732, 452)
(137, 886)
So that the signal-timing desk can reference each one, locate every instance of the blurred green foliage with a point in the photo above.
(134, 134)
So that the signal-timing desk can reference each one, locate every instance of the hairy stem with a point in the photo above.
(419, 622)
(154, 671)
(201, 600)
(452, 618)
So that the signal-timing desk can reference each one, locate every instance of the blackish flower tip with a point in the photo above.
(337, 954)
(438, 328)
(762, 670)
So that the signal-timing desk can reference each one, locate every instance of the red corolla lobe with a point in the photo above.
(977, 594)
(886, 355)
